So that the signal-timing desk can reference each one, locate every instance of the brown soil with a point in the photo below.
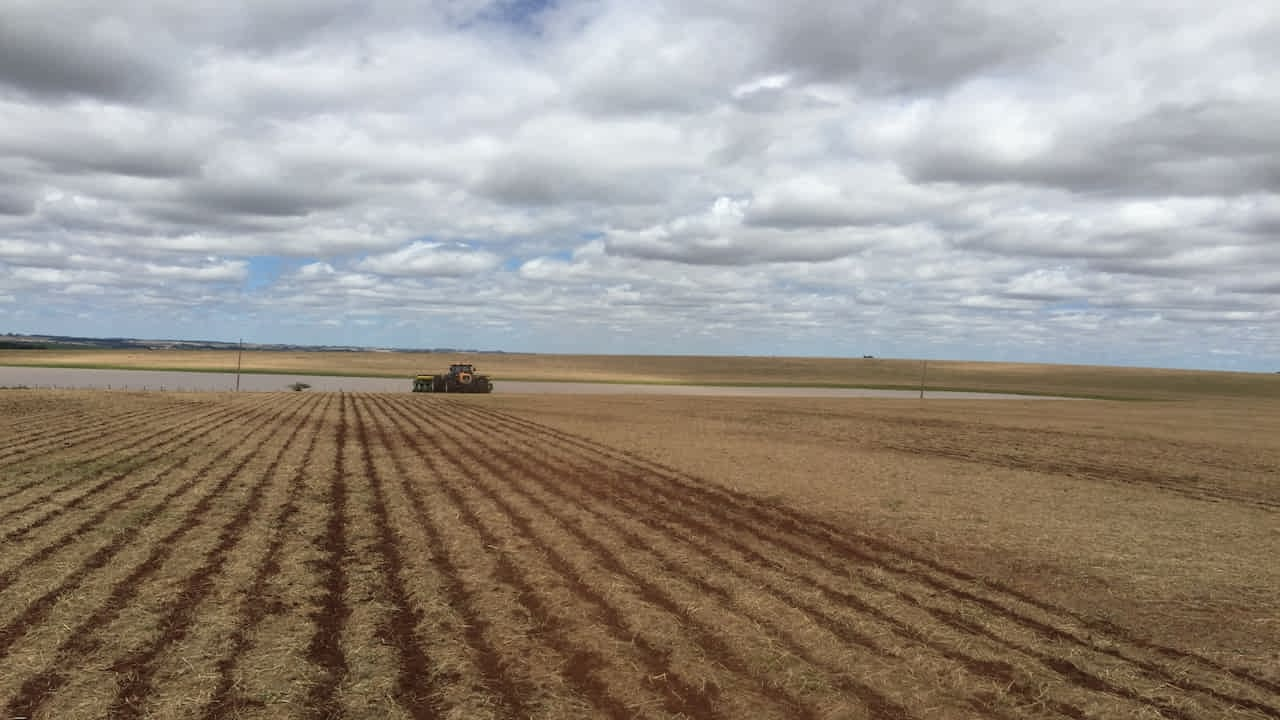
(340, 555)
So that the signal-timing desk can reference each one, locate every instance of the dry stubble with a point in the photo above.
(367, 555)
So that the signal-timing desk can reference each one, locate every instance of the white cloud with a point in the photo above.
(431, 259)
(219, 271)
(962, 178)
(316, 269)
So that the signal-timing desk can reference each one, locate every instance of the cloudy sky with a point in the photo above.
(982, 179)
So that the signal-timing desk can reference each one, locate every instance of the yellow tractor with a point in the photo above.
(462, 377)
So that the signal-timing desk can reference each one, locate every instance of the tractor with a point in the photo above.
(461, 377)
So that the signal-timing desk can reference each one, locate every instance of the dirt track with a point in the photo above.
(368, 556)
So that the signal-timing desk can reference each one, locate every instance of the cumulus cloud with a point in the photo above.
(17, 201)
(217, 271)
(964, 178)
(732, 233)
(104, 57)
(869, 196)
(894, 47)
(431, 259)
(1211, 148)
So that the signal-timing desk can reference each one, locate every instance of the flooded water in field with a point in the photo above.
(177, 381)
(186, 381)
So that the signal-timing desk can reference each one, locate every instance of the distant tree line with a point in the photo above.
(19, 345)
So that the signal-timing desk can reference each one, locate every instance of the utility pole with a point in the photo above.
(924, 367)
(239, 354)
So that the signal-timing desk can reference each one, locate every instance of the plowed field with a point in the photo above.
(388, 556)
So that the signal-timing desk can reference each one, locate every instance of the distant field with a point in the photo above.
(315, 555)
(1067, 380)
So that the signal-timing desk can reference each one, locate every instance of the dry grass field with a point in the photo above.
(1071, 380)
(301, 555)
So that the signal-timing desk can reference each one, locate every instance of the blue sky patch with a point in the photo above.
(264, 270)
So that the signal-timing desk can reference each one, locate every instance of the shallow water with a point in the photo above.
(177, 381)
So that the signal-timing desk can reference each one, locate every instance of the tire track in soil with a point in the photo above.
(37, 610)
(641, 511)
(176, 438)
(678, 696)
(1151, 669)
(1073, 672)
(476, 627)
(83, 425)
(11, 575)
(580, 665)
(59, 426)
(325, 648)
(998, 671)
(703, 637)
(1020, 459)
(877, 705)
(112, 449)
(415, 691)
(1190, 487)
(165, 435)
(82, 640)
(776, 518)
(19, 414)
(109, 441)
(222, 702)
(33, 435)
(138, 669)
(696, 538)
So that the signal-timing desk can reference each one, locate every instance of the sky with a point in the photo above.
(1097, 182)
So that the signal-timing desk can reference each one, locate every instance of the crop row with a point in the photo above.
(364, 555)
